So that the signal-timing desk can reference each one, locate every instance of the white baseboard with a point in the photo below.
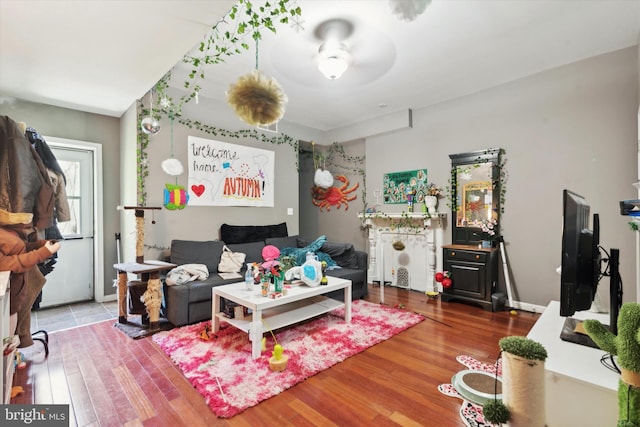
(519, 305)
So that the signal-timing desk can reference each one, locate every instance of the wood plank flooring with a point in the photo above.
(109, 379)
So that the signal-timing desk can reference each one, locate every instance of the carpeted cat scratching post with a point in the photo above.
(522, 385)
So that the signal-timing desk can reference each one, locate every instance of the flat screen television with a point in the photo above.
(581, 268)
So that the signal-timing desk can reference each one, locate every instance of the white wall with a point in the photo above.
(571, 127)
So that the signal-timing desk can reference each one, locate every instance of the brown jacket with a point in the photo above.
(24, 181)
(16, 257)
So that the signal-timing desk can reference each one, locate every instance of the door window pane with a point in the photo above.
(72, 172)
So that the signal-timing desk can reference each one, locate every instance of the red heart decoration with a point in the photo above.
(197, 189)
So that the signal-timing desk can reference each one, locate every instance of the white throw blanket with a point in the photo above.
(186, 273)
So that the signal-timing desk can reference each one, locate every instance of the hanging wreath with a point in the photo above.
(257, 99)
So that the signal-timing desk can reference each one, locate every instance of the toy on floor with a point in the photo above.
(20, 362)
(625, 345)
(206, 334)
(16, 391)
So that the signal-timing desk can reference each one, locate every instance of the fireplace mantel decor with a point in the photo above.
(414, 266)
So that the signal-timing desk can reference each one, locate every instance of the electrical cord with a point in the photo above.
(609, 362)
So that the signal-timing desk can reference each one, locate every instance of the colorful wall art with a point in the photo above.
(397, 184)
(223, 174)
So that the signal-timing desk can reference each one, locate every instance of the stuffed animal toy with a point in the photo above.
(625, 345)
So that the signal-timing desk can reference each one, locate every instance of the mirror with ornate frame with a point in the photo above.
(475, 194)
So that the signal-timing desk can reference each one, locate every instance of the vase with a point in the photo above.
(431, 203)
(278, 282)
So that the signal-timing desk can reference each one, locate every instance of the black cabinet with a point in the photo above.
(474, 274)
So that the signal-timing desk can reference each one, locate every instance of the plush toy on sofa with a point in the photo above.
(626, 345)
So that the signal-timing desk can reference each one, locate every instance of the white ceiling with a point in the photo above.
(102, 55)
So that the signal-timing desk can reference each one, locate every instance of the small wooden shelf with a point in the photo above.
(287, 314)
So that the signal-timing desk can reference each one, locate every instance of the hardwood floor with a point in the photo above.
(109, 379)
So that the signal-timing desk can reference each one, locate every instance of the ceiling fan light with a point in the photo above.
(333, 61)
(333, 67)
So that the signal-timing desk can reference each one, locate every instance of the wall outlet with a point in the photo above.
(289, 211)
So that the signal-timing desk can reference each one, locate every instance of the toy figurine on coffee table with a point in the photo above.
(625, 345)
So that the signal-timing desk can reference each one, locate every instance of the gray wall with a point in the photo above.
(72, 124)
(203, 222)
(339, 225)
(571, 127)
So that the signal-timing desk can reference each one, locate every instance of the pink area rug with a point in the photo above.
(471, 413)
(223, 371)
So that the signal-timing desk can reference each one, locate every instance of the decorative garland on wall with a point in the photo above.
(500, 180)
(218, 45)
(221, 42)
(142, 160)
(144, 141)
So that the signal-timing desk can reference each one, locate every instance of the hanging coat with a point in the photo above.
(24, 182)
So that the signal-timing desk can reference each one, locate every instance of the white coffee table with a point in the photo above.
(301, 303)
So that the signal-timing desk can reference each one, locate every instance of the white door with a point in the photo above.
(72, 278)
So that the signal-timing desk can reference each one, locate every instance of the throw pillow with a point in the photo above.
(232, 234)
(344, 254)
(194, 252)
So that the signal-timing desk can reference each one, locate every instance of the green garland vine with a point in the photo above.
(222, 42)
(219, 44)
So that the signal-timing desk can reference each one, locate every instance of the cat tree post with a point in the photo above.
(522, 384)
(149, 273)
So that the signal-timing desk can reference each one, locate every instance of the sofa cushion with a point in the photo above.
(283, 242)
(232, 234)
(344, 254)
(195, 252)
(253, 250)
(356, 276)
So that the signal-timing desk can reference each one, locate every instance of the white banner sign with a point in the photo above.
(222, 174)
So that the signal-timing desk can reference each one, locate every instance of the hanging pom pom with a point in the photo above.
(257, 99)
(172, 167)
(323, 178)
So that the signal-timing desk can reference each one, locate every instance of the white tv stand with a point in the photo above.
(579, 390)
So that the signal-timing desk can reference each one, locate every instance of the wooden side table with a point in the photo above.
(149, 272)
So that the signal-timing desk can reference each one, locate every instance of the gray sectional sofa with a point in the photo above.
(190, 303)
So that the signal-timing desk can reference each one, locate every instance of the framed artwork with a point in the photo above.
(396, 185)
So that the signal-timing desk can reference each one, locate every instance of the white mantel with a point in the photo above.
(414, 266)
